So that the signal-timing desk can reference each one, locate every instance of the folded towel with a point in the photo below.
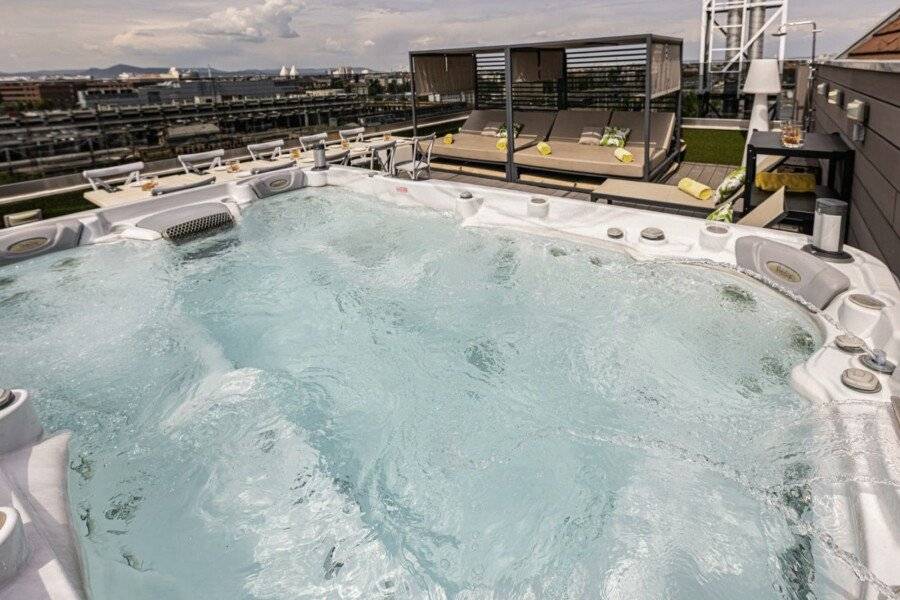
(695, 189)
(501, 143)
(448, 139)
(544, 149)
(624, 155)
(794, 182)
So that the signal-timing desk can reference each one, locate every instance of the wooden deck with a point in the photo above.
(711, 175)
(505, 185)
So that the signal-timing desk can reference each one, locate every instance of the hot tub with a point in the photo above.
(349, 386)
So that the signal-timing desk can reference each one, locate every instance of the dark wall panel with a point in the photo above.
(875, 212)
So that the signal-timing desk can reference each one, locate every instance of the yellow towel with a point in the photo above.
(544, 149)
(448, 139)
(501, 144)
(794, 182)
(624, 155)
(695, 189)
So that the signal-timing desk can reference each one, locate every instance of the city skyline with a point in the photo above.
(264, 34)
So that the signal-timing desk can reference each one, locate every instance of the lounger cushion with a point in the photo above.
(491, 129)
(479, 119)
(479, 147)
(591, 136)
(535, 123)
(662, 127)
(569, 124)
(644, 194)
(594, 160)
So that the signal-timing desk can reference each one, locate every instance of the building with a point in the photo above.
(38, 94)
(881, 43)
(359, 88)
(191, 91)
(108, 96)
(867, 73)
(326, 93)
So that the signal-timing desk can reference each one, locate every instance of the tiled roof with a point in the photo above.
(883, 43)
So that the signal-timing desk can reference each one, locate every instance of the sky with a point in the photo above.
(238, 34)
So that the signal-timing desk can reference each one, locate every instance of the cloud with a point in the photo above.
(253, 24)
(238, 34)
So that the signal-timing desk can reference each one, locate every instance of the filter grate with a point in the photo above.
(195, 227)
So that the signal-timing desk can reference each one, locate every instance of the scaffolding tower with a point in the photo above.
(732, 33)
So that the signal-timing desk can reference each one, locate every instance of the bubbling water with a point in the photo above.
(341, 398)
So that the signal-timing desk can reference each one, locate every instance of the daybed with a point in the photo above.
(472, 145)
(567, 155)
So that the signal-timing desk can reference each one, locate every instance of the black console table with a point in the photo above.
(818, 146)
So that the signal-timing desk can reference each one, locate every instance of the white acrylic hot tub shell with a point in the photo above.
(864, 514)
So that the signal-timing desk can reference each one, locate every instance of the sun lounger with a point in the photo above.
(668, 198)
(472, 145)
(767, 213)
(567, 155)
(641, 194)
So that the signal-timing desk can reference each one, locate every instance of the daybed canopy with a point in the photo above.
(622, 73)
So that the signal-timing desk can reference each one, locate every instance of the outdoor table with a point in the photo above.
(128, 194)
(818, 146)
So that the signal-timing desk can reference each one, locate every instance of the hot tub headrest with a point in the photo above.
(813, 279)
(27, 241)
(270, 184)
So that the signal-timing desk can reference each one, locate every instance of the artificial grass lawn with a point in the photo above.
(51, 206)
(716, 146)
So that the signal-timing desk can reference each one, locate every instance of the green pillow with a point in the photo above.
(724, 213)
(615, 136)
(517, 128)
(732, 183)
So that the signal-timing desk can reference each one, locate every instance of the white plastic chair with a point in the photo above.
(383, 154)
(308, 142)
(342, 158)
(98, 177)
(421, 158)
(352, 135)
(270, 150)
(192, 163)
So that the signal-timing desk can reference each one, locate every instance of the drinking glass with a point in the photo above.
(791, 134)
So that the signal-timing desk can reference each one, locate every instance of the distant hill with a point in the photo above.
(115, 70)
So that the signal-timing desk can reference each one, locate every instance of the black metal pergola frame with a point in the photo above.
(507, 50)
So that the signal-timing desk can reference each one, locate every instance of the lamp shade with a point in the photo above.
(763, 77)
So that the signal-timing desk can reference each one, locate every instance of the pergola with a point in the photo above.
(632, 72)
